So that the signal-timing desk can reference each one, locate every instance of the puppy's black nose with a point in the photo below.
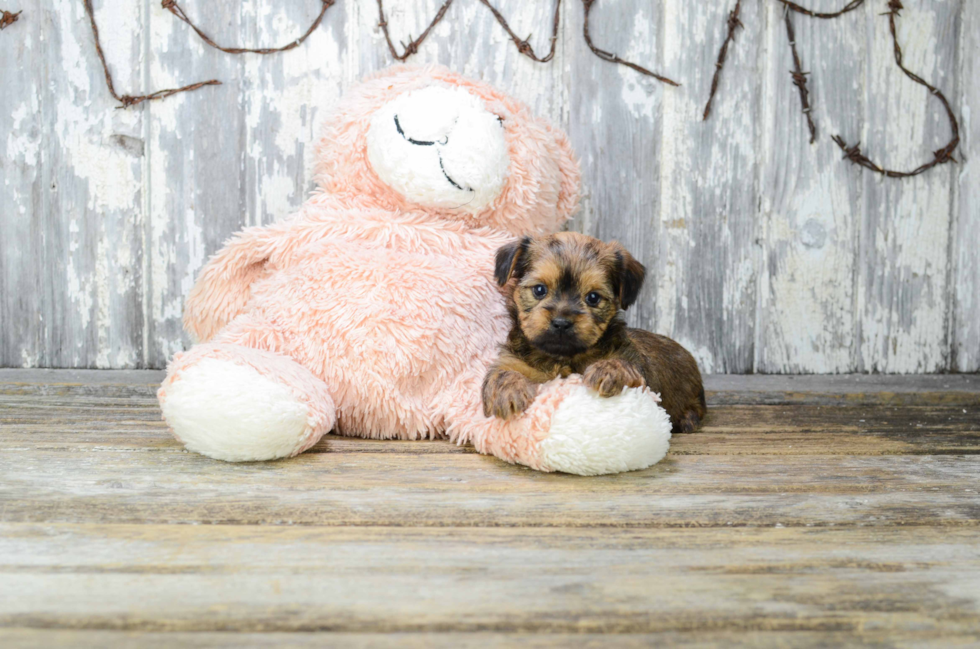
(561, 325)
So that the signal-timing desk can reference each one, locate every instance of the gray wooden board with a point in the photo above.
(836, 517)
(72, 192)
(613, 118)
(766, 253)
(965, 251)
(709, 195)
(903, 265)
(21, 638)
(185, 578)
(812, 205)
(853, 389)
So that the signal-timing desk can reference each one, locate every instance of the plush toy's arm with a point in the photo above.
(224, 285)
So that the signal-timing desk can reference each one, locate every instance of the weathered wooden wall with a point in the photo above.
(767, 254)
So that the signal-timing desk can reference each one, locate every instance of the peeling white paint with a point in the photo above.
(102, 316)
(902, 296)
(196, 250)
(21, 142)
(112, 175)
(639, 92)
(752, 237)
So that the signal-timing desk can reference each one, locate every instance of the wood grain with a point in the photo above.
(65, 423)
(965, 293)
(613, 117)
(830, 518)
(127, 486)
(196, 150)
(81, 639)
(812, 205)
(538, 581)
(765, 253)
(707, 256)
(20, 300)
(722, 388)
(904, 237)
(71, 206)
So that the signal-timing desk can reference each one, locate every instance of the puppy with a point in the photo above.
(565, 307)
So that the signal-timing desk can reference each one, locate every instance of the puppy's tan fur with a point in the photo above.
(565, 293)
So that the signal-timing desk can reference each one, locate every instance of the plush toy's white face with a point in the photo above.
(439, 147)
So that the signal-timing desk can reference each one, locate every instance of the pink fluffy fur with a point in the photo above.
(379, 314)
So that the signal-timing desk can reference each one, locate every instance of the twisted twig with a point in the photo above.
(612, 58)
(850, 6)
(940, 156)
(7, 19)
(126, 101)
(799, 78)
(733, 24)
(413, 44)
(177, 10)
(523, 46)
(852, 153)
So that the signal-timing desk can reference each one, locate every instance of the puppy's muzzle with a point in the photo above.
(560, 339)
(561, 326)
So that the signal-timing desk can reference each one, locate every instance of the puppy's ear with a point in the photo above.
(629, 277)
(511, 260)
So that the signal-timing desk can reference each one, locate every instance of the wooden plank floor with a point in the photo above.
(811, 511)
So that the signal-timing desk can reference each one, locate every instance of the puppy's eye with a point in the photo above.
(539, 291)
(593, 299)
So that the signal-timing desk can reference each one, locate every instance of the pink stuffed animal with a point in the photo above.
(373, 311)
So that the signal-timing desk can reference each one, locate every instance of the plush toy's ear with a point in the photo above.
(630, 274)
(511, 260)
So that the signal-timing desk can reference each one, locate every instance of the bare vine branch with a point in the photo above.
(523, 46)
(940, 156)
(7, 19)
(733, 24)
(612, 58)
(850, 6)
(178, 11)
(799, 78)
(413, 44)
(851, 152)
(125, 101)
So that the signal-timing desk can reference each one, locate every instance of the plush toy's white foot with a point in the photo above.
(592, 435)
(231, 412)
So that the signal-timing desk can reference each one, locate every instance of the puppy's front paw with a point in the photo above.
(506, 395)
(608, 377)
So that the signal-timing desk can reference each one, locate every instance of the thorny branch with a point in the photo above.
(852, 153)
(940, 156)
(171, 5)
(733, 24)
(126, 101)
(408, 49)
(523, 46)
(799, 78)
(850, 6)
(413, 44)
(7, 19)
(177, 10)
(612, 58)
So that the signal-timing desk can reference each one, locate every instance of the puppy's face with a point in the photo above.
(569, 288)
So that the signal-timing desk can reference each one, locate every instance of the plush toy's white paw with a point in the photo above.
(231, 412)
(592, 435)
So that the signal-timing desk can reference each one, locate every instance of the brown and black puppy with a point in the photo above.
(565, 305)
